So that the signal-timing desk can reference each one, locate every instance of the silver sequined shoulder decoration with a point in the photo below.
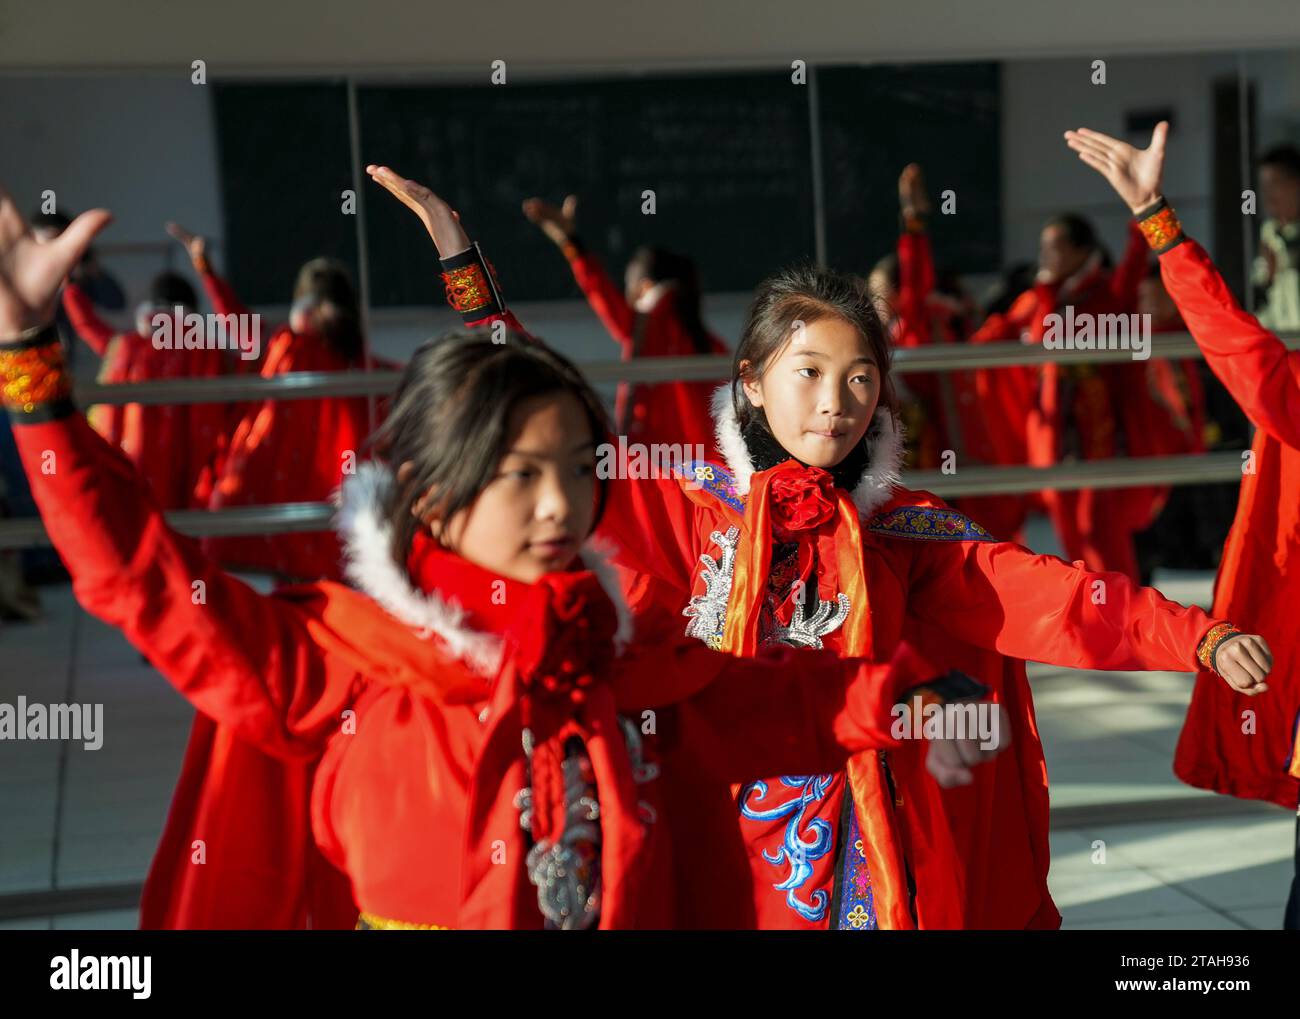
(708, 611)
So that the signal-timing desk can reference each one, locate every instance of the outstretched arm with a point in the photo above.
(93, 330)
(1255, 366)
(603, 295)
(787, 711)
(222, 295)
(243, 658)
(1000, 596)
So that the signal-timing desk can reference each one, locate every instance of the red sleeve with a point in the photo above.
(93, 330)
(787, 711)
(652, 524)
(605, 298)
(222, 295)
(1001, 596)
(1255, 366)
(1128, 275)
(242, 658)
(915, 280)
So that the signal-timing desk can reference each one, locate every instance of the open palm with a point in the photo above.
(30, 272)
(1135, 174)
(558, 222)
(439, 218)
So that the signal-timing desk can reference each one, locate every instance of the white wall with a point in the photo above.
(1041, 176)
(142, 146)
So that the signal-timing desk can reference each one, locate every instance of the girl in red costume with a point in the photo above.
(1259, 577)
(501, 746)
(987, 407)
(170, 445)
(656, 314)
(1080, 411)
(289, 450)
(806, 538)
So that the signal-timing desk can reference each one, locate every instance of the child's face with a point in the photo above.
(533, 515)
(1279, 193)
(635, 284)
(820, 392)
(1058, 259)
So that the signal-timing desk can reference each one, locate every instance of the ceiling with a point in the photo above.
(257, 37)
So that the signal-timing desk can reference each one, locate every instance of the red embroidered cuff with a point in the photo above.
(33, 384)
(1160, 226)
(1209, 646)
(471, 285)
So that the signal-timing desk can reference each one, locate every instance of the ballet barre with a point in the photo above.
(316, 385)
(1187, 469)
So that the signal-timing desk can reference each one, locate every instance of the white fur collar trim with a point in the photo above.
(884, 443)
(365, 537)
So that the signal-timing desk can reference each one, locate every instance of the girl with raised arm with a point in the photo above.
(985, 409)
(1259, 576)
(805, 537)
(279, 451)
(656, 314)
(499, 744)
(170, 445)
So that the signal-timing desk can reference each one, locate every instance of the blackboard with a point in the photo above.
(876, 120)
(727, 157)
(285, 161)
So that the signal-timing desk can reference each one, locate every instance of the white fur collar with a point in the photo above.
(369, 565)
(647, 301)
(875, 489)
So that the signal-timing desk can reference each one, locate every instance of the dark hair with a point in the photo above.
(170, 289)
(450, 415)
(338, 312)
(1078, 231)
(1013, 282)
(659, 265)
(57, 220)
(805, 293)
(1284, 157)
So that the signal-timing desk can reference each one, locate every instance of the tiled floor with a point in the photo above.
(1109, 740)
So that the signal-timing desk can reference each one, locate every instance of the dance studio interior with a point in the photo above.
(978, 323)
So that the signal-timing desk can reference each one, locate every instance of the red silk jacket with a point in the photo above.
(1259, 577)
(661, 412)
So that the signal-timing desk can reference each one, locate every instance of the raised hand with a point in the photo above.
(1135, 174)
(195, 246)
(559, 223)
(439, 218)
(912, 198)
(1244, 661)
(30, 272)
